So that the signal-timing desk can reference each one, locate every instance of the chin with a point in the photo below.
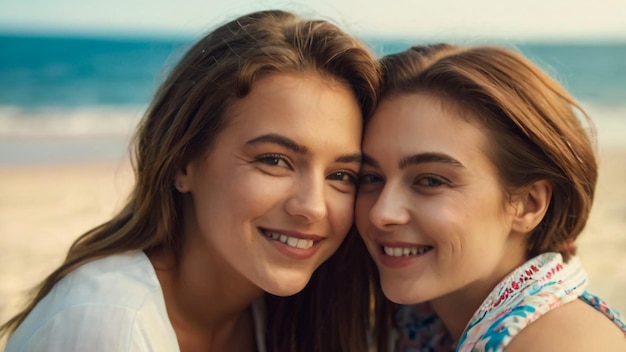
(285, 291)
(401, 294)
(285, 287)
(398, 297)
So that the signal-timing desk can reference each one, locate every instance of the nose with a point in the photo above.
(389, 208)
(308, 200)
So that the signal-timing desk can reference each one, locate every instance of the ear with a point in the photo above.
(531, 206)
(182, 179)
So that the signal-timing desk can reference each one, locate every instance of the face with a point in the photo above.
(274, 198)
(430, 207)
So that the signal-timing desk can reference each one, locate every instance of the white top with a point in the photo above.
(110, 304)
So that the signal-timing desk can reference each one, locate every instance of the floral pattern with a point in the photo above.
(538, 286)
(421, 330)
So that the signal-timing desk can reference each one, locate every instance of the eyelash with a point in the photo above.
(420, 181)
(352, 176)
(273, 160)
(369, 179)
(440, 181)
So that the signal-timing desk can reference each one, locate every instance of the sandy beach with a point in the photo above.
(44, 208)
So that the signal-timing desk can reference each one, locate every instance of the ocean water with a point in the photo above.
(71, 99)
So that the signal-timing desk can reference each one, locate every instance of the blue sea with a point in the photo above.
(66, 99)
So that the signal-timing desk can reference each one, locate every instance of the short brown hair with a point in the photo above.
(535, 133)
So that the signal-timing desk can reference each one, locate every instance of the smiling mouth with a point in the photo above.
(294, 242)
(405, 251)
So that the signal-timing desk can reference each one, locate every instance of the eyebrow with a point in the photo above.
(417, 159)
(350, 158)
(280, 140)
(428, 158)
(300, 149)
(368, 160)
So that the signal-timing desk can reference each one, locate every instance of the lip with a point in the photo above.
(292, 252)
(401, 261)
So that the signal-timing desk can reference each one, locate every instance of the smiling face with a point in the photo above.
(430, 207)
(274, 197)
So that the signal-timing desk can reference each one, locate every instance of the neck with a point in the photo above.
(208, 302)
(457, 308)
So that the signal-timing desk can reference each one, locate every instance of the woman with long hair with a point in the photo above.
(246, 165)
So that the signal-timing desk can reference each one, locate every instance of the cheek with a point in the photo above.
(363, 206)
(243, 196)
(341, 213)
(444, 222)
(257, 187)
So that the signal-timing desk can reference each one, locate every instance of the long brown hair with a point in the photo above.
(534, 126)
(187, 113)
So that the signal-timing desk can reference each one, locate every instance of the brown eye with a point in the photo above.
(274, 160)
(431, 181)
(368, 178)
(344, 176)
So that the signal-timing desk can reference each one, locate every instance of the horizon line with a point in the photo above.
(164, 34)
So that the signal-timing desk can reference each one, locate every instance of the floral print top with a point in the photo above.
(538, 286)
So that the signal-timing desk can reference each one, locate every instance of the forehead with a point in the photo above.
(419, 114)
(297, 91)
(417, 122)
(301, 105)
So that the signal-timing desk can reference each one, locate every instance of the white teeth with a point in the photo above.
(290, 241)
(304, 243)
(405, 251)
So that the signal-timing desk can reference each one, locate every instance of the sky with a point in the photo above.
(507, 19)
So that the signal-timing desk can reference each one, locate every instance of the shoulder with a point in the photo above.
(112, 303)
(125, 280)
(575, 326)
(94, 328)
